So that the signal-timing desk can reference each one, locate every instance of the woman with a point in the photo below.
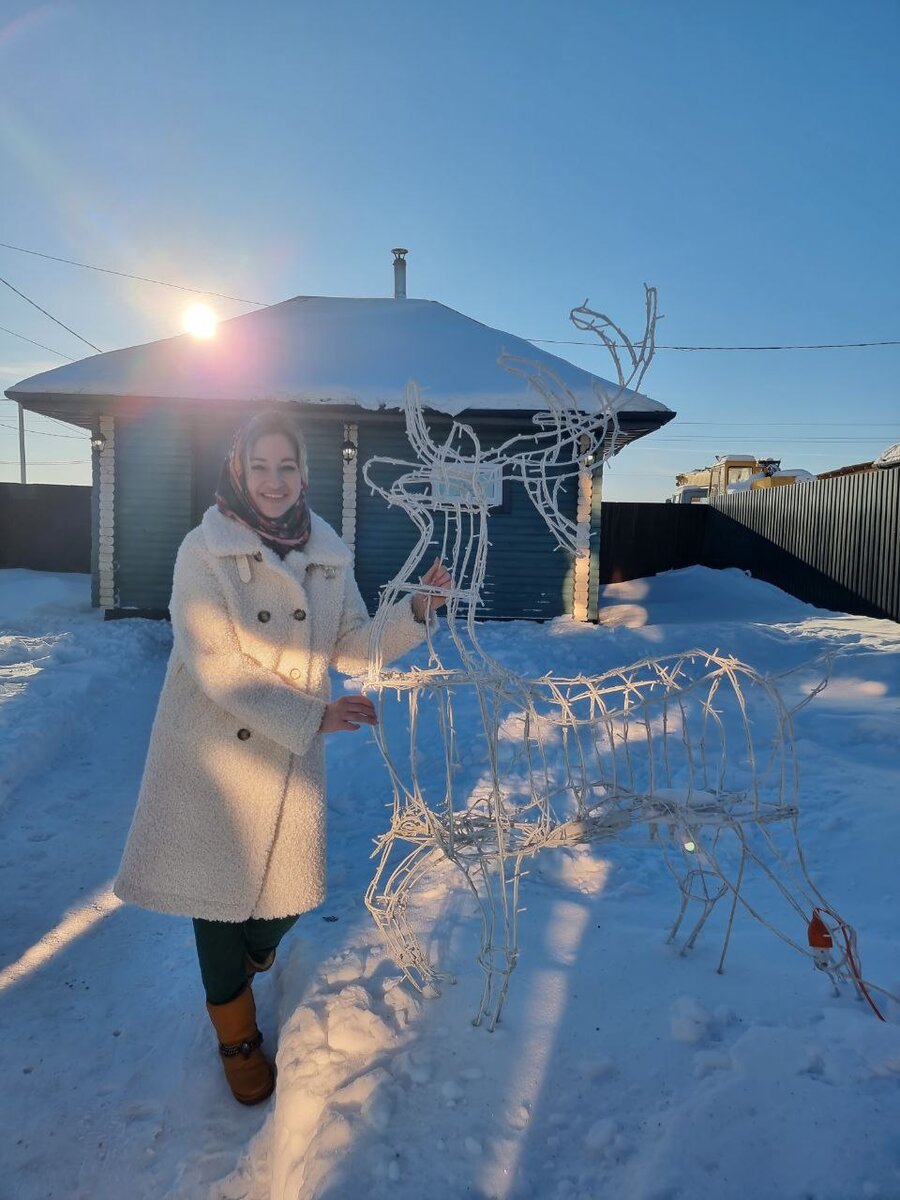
(230, 823)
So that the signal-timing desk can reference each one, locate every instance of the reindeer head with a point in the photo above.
(455, 474)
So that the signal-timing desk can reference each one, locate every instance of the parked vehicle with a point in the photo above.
(733, 473)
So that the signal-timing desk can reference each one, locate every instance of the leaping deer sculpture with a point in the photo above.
(691, 753)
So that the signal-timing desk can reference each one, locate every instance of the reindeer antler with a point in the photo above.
(640, 353)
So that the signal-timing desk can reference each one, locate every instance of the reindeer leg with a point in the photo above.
(709, 902)
(685, 896)
(736, 895)
(388, 902)
(498, 953)
(479, 874)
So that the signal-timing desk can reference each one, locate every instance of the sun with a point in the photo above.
(200, 321)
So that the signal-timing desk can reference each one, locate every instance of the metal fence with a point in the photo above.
(834, 543)
(644, 539)
(45, 526)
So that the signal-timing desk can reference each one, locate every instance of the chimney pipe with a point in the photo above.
(399, 272)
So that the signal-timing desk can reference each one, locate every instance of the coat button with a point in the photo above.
(243, 734)
(263, 616)
(257, 557)
(295, 673)
(299, 614)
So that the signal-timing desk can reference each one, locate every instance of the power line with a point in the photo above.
(12, 333)
(757, 437)
(812, 346)
(50, 315)
(44, 433)
(140, 278)
(63, 462)
(793, 424)
(45, 416)
(541, 341)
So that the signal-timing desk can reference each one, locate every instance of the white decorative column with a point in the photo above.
(106, 521)
(348, 497)
(582, 545)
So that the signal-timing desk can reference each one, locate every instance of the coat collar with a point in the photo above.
(228, 538)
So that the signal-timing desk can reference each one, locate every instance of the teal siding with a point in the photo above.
(527, 576)
(167, 468)
(153, 504)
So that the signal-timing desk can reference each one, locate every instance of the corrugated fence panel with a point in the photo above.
(643, 539)
(45, 526)
(833, 543)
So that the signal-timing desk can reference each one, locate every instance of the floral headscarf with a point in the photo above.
(287, 532)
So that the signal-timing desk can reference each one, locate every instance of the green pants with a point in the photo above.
(223, 945)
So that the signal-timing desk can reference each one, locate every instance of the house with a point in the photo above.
(162, 416)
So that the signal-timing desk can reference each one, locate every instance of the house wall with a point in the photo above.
(167, 464)
(527, 577)
(153, 476)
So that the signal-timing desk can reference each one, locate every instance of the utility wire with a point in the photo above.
(795, 424)
(813, 346)
(44, 433)
(804, 441)
(140, 278)
(12, 333)
(50, 315)
(542, 341)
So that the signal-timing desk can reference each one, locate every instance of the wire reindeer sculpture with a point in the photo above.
(690, 754)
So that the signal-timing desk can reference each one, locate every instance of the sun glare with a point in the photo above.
(200, 321)
(74, 924)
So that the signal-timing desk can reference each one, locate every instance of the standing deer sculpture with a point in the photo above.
(689, 755)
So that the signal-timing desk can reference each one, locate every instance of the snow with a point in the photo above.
(619, 1068)
(889, 457)
(798, 474)
(333, 350)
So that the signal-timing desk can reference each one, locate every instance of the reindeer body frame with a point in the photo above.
(568, 761)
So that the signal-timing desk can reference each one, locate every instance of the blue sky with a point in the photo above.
(741, 157)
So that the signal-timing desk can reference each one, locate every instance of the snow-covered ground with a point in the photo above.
(620, 1069)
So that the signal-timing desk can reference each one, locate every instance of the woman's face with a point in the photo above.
(273, 475)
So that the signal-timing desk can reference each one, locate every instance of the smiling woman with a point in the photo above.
(274, 481)
(230, 824)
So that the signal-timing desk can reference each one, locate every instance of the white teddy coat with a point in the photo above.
(230, 822)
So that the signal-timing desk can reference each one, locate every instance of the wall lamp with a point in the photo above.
(98, 441)
(348, 451)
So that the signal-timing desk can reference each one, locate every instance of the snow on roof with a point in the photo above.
(332, 350)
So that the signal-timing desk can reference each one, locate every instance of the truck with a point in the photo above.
(731, 473)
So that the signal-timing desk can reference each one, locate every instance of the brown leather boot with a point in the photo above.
(250, 1075)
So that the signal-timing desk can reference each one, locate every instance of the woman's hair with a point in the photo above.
(273, 421)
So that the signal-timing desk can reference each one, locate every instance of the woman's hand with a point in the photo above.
(348, 713)
(437, 576)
